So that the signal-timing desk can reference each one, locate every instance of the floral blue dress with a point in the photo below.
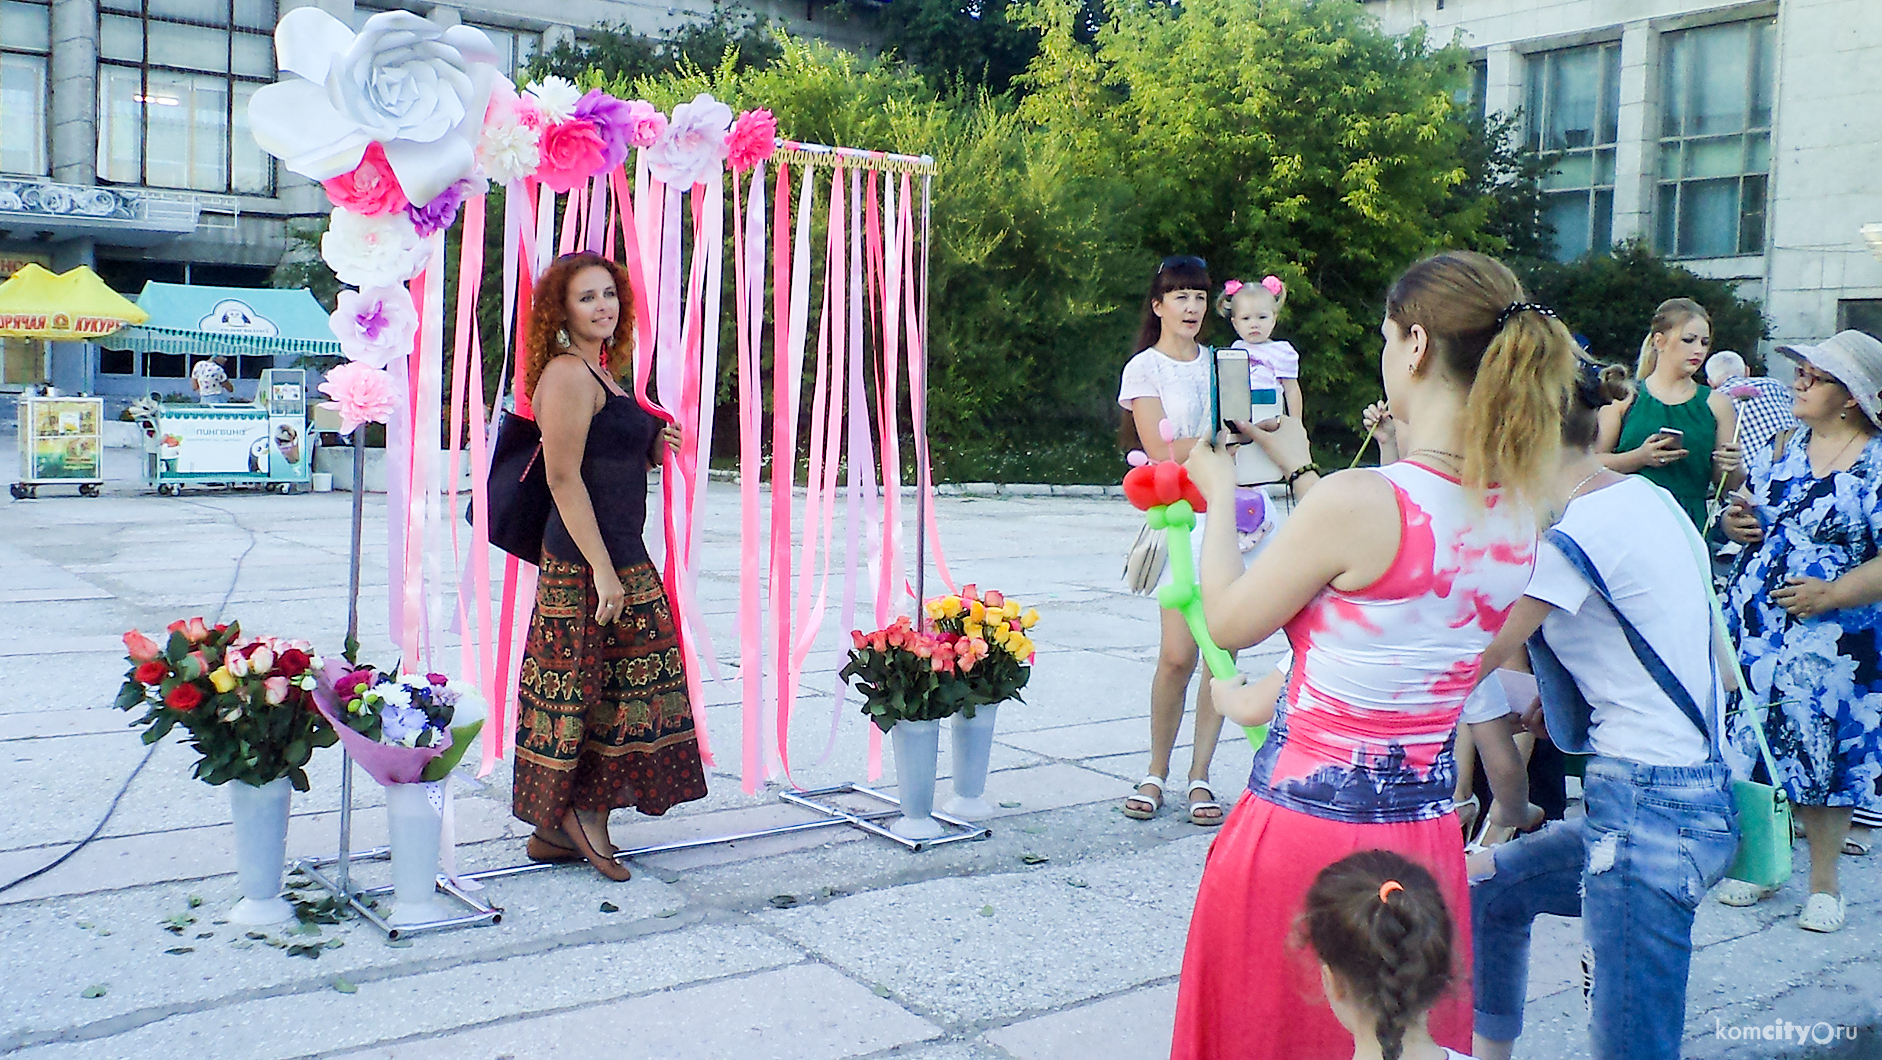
(1821, 677)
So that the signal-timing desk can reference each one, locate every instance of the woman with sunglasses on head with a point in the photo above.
(1168, 380)
(1805, 605)
(603, 718)
(1390, 583)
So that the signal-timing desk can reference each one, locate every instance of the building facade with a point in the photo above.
(1742, 139)
(124, 143)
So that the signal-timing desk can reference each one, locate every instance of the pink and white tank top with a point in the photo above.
(1380, 674)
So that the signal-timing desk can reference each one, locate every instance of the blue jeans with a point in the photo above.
(1634, 868)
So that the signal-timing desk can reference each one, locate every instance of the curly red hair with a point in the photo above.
(549, 314)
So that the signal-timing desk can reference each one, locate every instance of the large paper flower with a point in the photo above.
(753, 139)
(360, 393)
(614, 122)
(373, 251)
(370, 189)
(375, 325)
(404, 81)
(572, 151)
(649, 123)
(555, 96)
(507, 151)
(693, 144)
(441, 213)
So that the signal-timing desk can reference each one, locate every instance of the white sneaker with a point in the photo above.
(1740, 893)
(1823, 912)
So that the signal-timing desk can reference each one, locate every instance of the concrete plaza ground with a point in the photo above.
(1059, 937)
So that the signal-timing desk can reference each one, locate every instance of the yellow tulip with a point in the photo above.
(223, 679)
(1029, 619)
(1011, 610)
(950, 606)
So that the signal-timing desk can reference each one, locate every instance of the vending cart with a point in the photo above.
(263, 444)
(61, 443)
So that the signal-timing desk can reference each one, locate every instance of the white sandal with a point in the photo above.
(1822, 912)
(1141, 807)
(1209, 803)
(1739, 893)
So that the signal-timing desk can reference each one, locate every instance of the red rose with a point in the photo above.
(292, 663)
(184, 697)
(152, 673)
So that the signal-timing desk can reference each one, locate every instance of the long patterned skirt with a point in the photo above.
(603, 719)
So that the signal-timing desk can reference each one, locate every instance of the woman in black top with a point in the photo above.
(604, 720)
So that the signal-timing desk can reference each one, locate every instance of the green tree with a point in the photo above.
(611, 52)
(970, 44)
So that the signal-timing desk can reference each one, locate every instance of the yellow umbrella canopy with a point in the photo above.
(71, 306)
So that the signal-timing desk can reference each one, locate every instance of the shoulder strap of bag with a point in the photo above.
(1649, 658)
(1779, 441)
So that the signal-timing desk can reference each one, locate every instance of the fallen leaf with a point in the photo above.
(95, 990)
(196, 900)
(986, 910)
(86, 924)
(179, 950)
(334, 944)
(610, 907)
(205, 934)
(309, 950)
(1010, 805)
(1076, 882)
(1033, 859)
(257, 935)
(345, 986)
(399, 944)
(783, 901)
(664, 913)
(880, 991)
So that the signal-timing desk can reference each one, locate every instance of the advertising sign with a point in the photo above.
(66, 441)
(227, 442)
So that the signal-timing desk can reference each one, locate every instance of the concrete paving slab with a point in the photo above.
(1132, 1026)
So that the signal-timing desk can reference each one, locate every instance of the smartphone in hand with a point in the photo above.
(1233, 397)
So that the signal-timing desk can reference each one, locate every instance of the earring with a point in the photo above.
(562, 338)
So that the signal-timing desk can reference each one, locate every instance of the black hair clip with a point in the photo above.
(1521, 307)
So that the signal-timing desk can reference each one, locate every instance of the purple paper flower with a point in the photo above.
(375, 325)
(613, 119)
(441, 212)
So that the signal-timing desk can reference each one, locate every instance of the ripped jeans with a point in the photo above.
(1634, 868)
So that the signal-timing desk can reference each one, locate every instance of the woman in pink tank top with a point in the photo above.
(1390, 583)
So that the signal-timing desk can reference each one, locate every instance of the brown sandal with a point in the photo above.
(607, 866)
(542, 848)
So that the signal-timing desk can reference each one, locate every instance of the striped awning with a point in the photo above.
(239, 321)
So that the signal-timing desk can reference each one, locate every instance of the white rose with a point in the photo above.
(693, 145)
(555, 97)
(373, 251)
(417, 88)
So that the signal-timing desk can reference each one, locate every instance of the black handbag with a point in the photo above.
(520, 502)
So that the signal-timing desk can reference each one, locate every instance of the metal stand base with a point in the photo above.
(866, 821)
(481, 912)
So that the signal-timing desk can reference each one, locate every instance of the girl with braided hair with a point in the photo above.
(1382, 933)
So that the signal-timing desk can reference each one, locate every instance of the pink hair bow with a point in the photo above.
(1274, 285)
(1231, 287)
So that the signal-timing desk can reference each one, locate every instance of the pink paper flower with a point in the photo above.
(361, 394)
(754, 138)
(376, 324)
(693, 145)
(572, 151)
(649, 123)
(370, 189)
(613, 120)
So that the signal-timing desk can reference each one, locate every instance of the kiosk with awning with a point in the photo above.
(261, 443)
(61, 439)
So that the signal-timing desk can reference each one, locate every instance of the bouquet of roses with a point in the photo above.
(403, 727)
(245, 702)
(990, 630)
(907, 675)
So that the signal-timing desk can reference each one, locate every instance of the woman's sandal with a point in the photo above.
(607, 866)
(543, 848)
(1205, 812)
(1141, 807)
(1857, 848)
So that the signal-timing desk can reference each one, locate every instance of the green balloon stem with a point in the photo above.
(1176, 520)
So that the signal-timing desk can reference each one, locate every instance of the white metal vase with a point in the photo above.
(973, 751)
(917, 748)
(413, 828)
(261, 850)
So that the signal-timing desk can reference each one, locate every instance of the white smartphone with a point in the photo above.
(1234, 400)
(1676, 434)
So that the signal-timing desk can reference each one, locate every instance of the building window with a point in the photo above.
(1715, 140)
(174, 81)
(515, 48)
(1860, 314)
(25, 40)
(117, 362)
(1573, 109)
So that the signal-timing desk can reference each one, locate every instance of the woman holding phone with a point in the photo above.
(1673, 431)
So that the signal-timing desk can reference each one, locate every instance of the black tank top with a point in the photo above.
(614, 468)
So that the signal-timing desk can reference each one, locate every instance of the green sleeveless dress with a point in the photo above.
(1689, 481)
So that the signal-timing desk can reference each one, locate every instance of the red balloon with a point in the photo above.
(1140, 487)
(1169, 482)
(1194, 495)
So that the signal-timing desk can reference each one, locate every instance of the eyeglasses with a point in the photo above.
(1808, 380)
(1183, 261)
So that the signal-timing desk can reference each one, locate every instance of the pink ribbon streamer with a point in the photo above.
(748, 281)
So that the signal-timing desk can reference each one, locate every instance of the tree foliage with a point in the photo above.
(615, 51)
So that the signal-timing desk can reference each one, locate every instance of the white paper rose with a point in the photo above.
(373, 251)
(416, 87)
(508, 150)
(693, 145)
(375, 325)
(555, 97)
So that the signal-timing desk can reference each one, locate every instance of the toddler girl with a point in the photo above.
(1251, 309)
(1382, 934)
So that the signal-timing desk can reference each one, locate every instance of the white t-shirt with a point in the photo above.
(1182, 386)
(1638, 543)
(1503, 692)
(209, 378)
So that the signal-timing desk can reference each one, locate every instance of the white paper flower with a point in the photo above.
(555, 97)
(375, 325)
(508, 151)
(373, 251)
(416, 87)
(693, 145)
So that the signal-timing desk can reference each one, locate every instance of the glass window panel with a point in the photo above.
(1604, 166)
(120, 123)
(134, 6)
(1708, 219)
(1715, 158)
(189, 141)
(253, 170)
(214, 12)
(253, 54)
(1764, 71)
(1669, 160)
(23, 114)
(1758, 153)
(1751, 220)
(1534, 109)
(27, 27)
(117, 362)
(1610, 131)
(166, 366)
(121, 38)
(1603, 221)
(1675, 60)
(1721, 80)
(1571, 171)
(505, 43)
(1568, 215)
(191, 47)
(1574, 99)
(1666, 218)
(255, 14)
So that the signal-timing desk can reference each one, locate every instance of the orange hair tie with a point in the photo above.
(1388, 887)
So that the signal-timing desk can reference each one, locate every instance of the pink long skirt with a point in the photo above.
(1250, 988)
